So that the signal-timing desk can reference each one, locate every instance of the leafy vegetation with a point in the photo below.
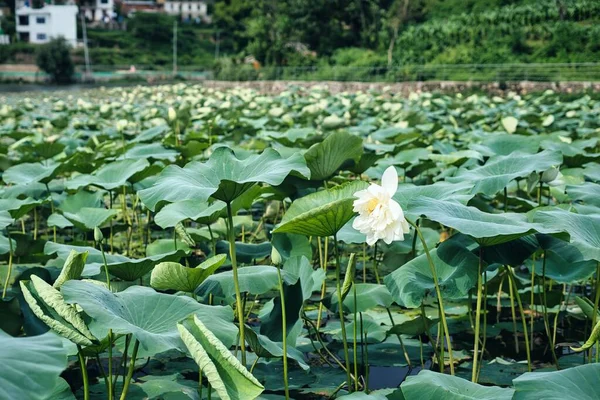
(179, 241)
(54, 58)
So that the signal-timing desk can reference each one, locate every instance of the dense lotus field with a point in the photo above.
(180, 242)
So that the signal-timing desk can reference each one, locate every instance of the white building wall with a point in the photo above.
(48, 23)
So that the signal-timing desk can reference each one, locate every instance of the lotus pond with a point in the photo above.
(182, 242)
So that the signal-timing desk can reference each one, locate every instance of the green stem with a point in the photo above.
(532, 300)
(523, 320)
(238, 295)
(338, 285)
(596, 302)
(485, 294)
(284, 334)
(212, 240)
(354, 343)
(110, 203)
(545, 307)
(477, 319)
(84, 374)
(52, 209)
(514, 316)
(105, 265)
(439, 295)
(111, 389)
(10, 264)
(323, 262)
(399, 336)
(131, 368)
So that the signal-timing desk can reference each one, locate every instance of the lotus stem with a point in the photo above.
(52, 209)
(366, 363)
(375, 269)
(124, 361)
(84, 374)
(35, 223)
(545, 307)
(354, 343)
(596, 302)
(514, 315)
(399, 336)
(110, 204)
(427, 330)
(531, 302)
(284, 333)
(477, 319)
(337, 361)
(323, 262)
(484, 340)
(523, 320)
(130, 371)
(212, 240)
(438, 293)
(338, 285)
(10, 264)
(236, 284)
(110, 366)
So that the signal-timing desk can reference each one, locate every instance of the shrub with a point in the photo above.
(54, 58)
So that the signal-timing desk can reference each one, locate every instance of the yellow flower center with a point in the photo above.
(372, 204)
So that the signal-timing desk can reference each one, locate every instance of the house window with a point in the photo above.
(41, 36)
(23, 20)
(40, 20)
(104, 1)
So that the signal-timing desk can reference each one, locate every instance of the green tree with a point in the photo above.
(54, 58)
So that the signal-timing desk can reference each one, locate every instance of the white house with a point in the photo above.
(40, 25)
(97, 10)
(188, 9)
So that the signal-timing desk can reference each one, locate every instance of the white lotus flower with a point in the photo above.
(380, 216)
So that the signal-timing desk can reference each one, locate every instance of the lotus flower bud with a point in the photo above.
(98, 236)
(172, 114)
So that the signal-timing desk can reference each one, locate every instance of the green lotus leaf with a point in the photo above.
(572, 383)
(5, 219)
(245, 252)
(31, 366)
(199, 211)
(18, 208)
(565, 263)
(433, 385)
(174, 276)
(264, 347)
(256, 279)
(59, 221)
(128, 269)
(587, 307)
(338, 150)
(48, 305)
(456, 268)
(149, 316)
(322, 213)
(506, 144)
(90, 218)
(227, 376)
(27, 173)
(588, 192)
(368, 296)
(5, 245)
(150, 151)
(413, 327)
(72, 268)
(487, 229)
(82, 199)
(499, 171)
(584, 230)
(223, 177)
(111, 176)
(151, 133)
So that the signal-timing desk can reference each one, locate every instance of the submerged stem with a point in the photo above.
(10, 264)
